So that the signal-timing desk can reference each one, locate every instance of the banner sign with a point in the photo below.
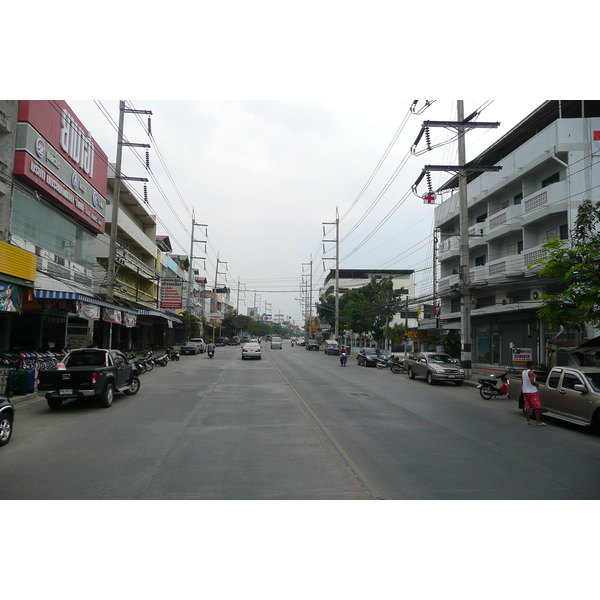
(85, 310)
(171, 293)
(520, 356)
(111, 316)
(130, 320)
(9, 297)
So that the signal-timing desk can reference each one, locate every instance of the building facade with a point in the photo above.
(549, 166)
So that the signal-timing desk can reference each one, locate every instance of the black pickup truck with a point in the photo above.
(89, 372)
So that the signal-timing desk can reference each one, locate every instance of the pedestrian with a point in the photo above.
(531, 397)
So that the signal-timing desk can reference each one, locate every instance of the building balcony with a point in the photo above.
(128, 259)
(449, 248)
(504, 222)
(548, 201)
(506, 267)
(445, 284)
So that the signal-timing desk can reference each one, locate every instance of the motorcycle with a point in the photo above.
(148, 360)
(173, 354)
(396, 365)
(385, 362)
(489, 388)
(343, 360)
(138, 364)
(163, 360)
(210, 353)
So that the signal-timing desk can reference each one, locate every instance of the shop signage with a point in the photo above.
(206, 294)
(520, 356)
(428, 323)
(111, 316)
(9, 297)
(58, 157)
(215, 316)
(171, 293)
(85, 310)
(16, 262)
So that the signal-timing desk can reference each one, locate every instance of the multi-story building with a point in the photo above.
(548, 169)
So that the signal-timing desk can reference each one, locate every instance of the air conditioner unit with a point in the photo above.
(535, 294)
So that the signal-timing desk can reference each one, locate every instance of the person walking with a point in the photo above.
(531, 398)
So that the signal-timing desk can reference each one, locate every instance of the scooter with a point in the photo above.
(163, 360)
(343, 360)
(210, 353)
(489, 388)
(173, 354)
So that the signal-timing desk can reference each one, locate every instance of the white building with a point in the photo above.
(548, 169)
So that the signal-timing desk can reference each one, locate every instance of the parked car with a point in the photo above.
(201, 344)
(435, 366)
(568, 393)
(190, 348)
(331, 347)
(7, 418)
(89, 373)
(312, 345)
(251, 350)
(367, 357)
(276, 343)
(221, 341)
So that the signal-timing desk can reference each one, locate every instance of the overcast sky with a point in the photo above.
(264, 175)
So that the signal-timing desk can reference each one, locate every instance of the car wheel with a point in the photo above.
(135, 387)
(429, 378)
(54, 403)
(6, 429)
(411, 373)
(109, 394)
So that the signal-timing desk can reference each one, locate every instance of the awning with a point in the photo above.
(156, 313)
(57, 295)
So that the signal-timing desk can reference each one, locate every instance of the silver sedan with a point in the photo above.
(251, 350)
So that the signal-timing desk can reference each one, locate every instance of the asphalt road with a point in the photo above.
(294, 425)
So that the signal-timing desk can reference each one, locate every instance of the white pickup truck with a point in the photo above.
(569, 393)
(435, 366)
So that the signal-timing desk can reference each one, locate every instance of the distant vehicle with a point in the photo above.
(276, 343)
(221, 341)
(201, 344)
(234, 341)
(312, 345)
(331, 347)
(190, 348)
(245, 340)
(251, 350)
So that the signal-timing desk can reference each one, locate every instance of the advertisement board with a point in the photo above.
(520, 356)
(57, 156)
(171, 293)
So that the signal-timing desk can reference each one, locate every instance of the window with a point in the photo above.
(570, 380)
(553, 379)
(519, 247)
(517, 199)
(481, 218)
(480, 260)
(554, 178)
(505, 205)
(455, 305)
(564, 232)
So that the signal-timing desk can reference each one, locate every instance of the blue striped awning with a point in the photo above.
(60, 295)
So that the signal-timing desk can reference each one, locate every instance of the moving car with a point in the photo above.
(276, 343)
(312, 345)
(251, 350)
(190, 348)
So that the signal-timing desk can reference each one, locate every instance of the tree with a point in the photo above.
(191, 325)
(577, 267)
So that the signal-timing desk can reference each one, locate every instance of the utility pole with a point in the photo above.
(337, 269)
(111, 272)
(461, 125)
(191, 269)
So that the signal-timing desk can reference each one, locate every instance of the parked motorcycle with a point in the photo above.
(138, 364)
(173, 354)
(396, 365)
(162, 360)
(385, 362)
(148, 360)
(489, 388)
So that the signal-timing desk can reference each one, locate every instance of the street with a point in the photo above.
(294, 425)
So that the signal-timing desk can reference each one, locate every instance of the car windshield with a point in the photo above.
(371, 350)
(190, 344)
(594, 380)
(440, 358)
(251, 345)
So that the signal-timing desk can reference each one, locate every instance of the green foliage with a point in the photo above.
(365, 311)
(191, 325)
(451, 343)
(577, 267)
